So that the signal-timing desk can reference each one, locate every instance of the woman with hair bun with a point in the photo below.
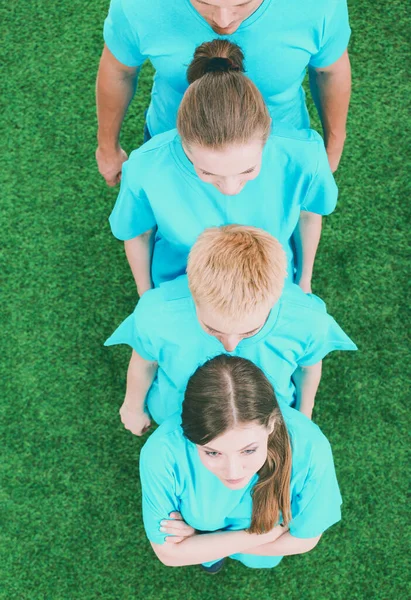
(226, 163)
(238, 474)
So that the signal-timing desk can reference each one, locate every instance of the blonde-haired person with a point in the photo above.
(280, 39)
(224, 164)
(254, 479)
(232, 300)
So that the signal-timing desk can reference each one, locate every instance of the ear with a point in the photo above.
(271, 425)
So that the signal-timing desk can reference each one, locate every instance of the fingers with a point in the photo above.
(171, 539)
(176, 528)
(176, 515)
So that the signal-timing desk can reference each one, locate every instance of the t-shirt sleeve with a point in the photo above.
(322, 194)
(134, 332)
(158, 489)
(326, 335)
(335, 34)
(120, 37)
(317, 505)
(132, 214)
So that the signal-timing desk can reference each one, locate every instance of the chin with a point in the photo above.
(227, 31)
(236, 485)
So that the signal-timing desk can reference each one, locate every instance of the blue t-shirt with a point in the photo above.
(160, 188)
(164, 328)
(174, 479)
(279, 40)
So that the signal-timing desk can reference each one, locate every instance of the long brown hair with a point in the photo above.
(221, 105)
(228, 390)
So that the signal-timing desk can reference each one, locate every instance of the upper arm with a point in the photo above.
(132, 214)
(339, 66)
(316, 499)
(110, 64)
(334, 35)
(322, 194)
(121, 36)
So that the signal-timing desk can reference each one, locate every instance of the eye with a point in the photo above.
(205, 173)
(247, 335)
(212, 454)
(249, 171)
(249, 451)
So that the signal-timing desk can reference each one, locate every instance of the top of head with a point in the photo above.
(235, 269)
(217, 56)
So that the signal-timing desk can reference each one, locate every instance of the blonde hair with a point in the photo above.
(221, 105)
(236, 269)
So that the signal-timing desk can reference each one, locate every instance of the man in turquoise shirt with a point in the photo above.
(235, 303)
(280, 38)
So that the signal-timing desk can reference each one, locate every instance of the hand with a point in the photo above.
(136, 422)
(110, 163)
(305, 284)
(277, 531)
(334, 153)
(177, 528)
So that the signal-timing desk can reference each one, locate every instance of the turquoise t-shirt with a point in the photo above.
(164, 328)
(160, 188)
(174, 479)
(279, 40)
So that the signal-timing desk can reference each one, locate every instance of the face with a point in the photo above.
(237, 455)
(230, 333)
(228, 169)
(225, 16)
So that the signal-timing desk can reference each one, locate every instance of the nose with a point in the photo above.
(222, 17)
(230, 186)
(234, 468)
(230, 342)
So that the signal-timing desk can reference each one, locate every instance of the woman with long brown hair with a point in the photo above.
(226, 163)
(237, 474)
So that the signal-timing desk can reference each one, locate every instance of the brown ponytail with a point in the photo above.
(221, 106)
(226, 391)
(271, 493)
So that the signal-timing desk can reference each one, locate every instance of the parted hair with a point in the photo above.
(221, 105)
(236, 269)
(227, 391)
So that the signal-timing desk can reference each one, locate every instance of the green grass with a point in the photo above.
(70, 495)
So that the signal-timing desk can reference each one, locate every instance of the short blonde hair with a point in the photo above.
(236, 269)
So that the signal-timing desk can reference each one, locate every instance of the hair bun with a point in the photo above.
(217, 56)
(220, 63)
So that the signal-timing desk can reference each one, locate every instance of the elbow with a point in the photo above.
(311, 544)
(168, 559)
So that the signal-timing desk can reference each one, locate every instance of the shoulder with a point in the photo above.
(285, 134)
(160, 309)
(157, 145)
(295, 300)
(303, 147)
(310, 447)
(139, 10)
(163, 447)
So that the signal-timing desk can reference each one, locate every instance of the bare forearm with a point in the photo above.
(139, 252)
(331, 91)
(140, 376)
(306, 381)
(115, 89)
(202, 548)
(306, 238)
(286, 545)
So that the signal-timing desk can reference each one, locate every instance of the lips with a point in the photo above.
(234, 481)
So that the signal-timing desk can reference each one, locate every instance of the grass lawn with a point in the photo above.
(70, 494)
